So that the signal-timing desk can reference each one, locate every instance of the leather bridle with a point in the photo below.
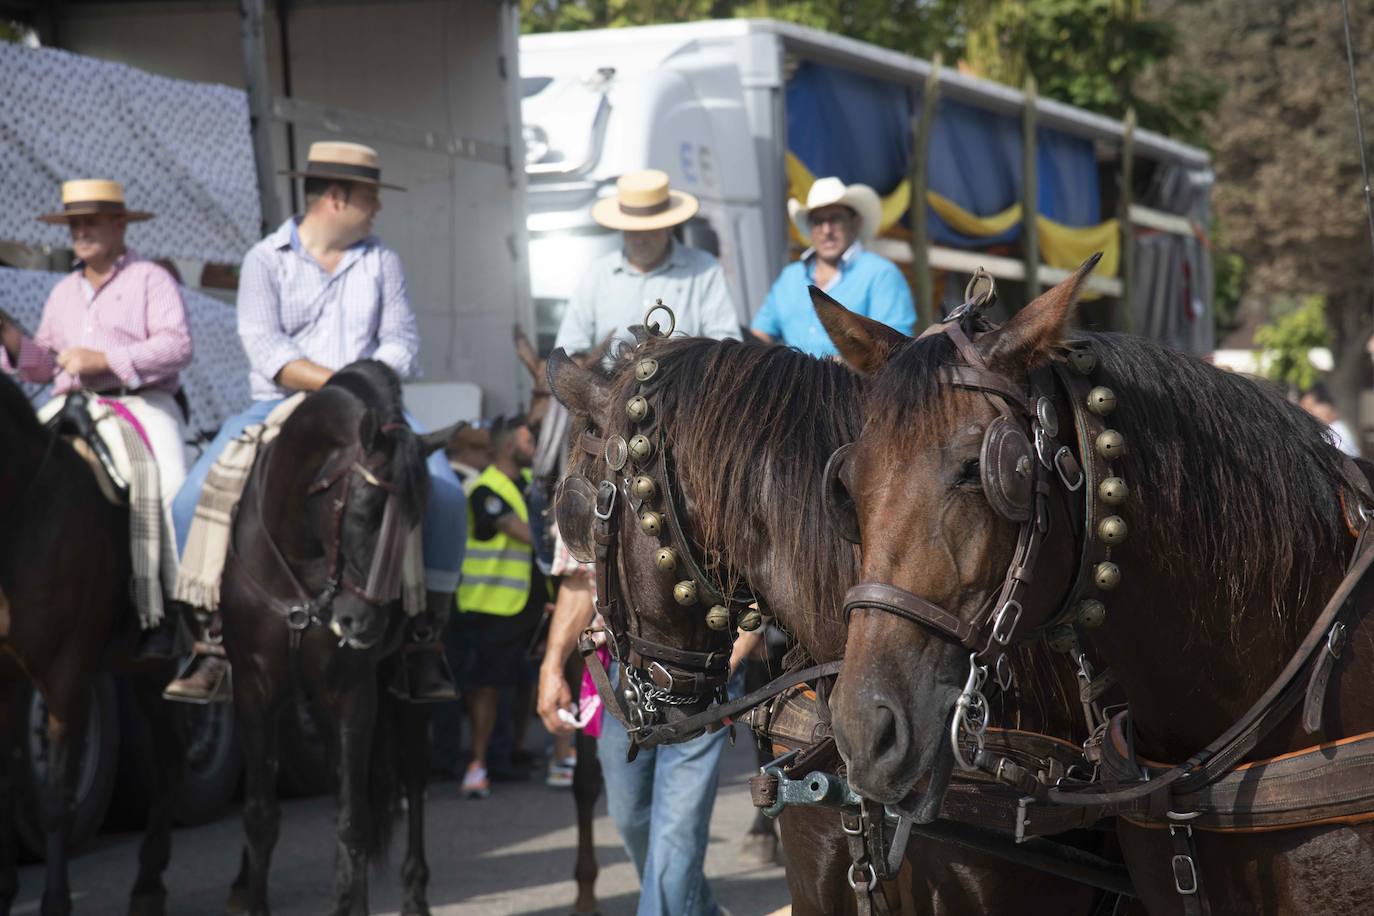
(314, 607)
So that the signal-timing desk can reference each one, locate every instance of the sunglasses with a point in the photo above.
(836, 219)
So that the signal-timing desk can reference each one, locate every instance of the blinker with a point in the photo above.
(685, 593)
(717, 618)
(637, 409)
(641, 449)
(666, 559)
(651, 523)
(644, 487)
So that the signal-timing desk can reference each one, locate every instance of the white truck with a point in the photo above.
(715, 104)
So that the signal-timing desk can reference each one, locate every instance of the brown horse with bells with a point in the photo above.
(686, 539)
(1189, 528)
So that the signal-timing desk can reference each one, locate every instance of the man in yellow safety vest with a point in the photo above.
(502, 593)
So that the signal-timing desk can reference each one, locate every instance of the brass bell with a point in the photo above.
(1110, 444)
(651, 523)
(1112, 529)
(1083, 361)
(685, 593)
(641, 449)
(1113, 491)
(644, 487)
(1107, 575)
(637, 409)
(646, 369)
(666, 559)
(1061, 638)
(717, 618)
(1091, 613)
(750, 620)
(1101, 400)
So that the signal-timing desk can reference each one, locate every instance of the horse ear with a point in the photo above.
(580, 390)
(865, 344)
(432, 442)
(1026, 339)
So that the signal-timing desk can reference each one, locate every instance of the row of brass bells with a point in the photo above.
(1102, 401)
(1110, 444)
(1061, 638)
(651, 523)
(750, 620)
(685, 593)
(641, 449)
(646, 369)
(1112, 491)
(637, 408)
(1090, 613)
(644, 487)
(718, 618)
(666, 559)
(1112, 529)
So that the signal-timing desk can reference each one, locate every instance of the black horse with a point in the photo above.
(310, 599)
(64, 614)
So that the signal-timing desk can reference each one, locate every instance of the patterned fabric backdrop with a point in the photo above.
(217, 381)
(182, 151)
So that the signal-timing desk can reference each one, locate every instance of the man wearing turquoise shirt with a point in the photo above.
(838, 219)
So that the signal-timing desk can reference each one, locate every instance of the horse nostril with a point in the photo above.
(346, 622)
(885, 736)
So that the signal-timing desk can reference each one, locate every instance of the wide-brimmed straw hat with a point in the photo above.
(345, 162)
(643, 201)
(827, 192)
(91, 196)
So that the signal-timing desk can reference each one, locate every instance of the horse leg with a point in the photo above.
(257, 728)
(586, 790)
(358, 714)
(67, 711)
(9, 841)
(168, 732)
(415, 769)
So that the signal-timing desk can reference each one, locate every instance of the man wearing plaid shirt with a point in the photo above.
(317, 294)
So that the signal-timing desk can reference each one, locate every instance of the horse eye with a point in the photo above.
(970, 473)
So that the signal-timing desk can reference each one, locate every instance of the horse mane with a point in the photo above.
(377, 386)
(752, 473)
(16, 405)
(1234, 491)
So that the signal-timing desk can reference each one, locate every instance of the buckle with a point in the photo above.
(1000, 636)
(298, 617)
(1002, 671)
(1185, 875)
(1059, 459)
(1335, 640)
(605, 494)
(660, 675)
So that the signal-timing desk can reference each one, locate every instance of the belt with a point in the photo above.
(124, 391)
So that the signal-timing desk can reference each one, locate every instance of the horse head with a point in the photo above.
(939, 488)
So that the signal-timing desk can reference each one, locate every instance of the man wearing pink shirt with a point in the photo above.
(114, 327)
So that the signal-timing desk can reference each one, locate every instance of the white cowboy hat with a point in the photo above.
(90, 196)
(345, 161)
(644, 201)
(827, 192)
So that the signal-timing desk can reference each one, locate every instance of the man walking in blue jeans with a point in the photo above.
(662, 800)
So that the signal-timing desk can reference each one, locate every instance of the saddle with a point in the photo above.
(73, 422)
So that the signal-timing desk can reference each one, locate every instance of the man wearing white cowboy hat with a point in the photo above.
(319, 293)
(837, 219)
(116, 326)
(618, 288)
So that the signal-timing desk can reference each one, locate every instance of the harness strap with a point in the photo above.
(903, 603)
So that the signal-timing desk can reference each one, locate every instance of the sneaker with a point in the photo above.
(561, 773)
(475, 782)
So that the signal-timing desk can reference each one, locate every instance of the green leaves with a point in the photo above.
(1285, 342)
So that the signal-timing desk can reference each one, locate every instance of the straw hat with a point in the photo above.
(644, 201)
(89, 196)
(827, 192)
(343, 161)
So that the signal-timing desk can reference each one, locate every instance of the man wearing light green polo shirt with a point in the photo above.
(618, 288)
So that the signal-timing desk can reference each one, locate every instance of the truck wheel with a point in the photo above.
(214, 763)
(98, 761)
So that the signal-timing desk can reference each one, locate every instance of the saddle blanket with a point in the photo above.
(207, 540)
(152, 545)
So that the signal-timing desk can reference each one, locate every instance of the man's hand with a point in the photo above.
(745, 644)
(553, 696)
(80, 361)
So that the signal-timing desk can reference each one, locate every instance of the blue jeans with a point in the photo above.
(446, 517)
(662, 805)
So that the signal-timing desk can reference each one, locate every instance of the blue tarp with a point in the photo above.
(859, 128)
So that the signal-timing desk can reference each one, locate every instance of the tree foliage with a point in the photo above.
(1285, 343)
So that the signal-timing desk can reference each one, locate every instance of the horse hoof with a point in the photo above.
(152, 903)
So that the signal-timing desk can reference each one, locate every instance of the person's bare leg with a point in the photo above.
(482, 703)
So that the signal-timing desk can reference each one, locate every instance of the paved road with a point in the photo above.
(512, 853)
